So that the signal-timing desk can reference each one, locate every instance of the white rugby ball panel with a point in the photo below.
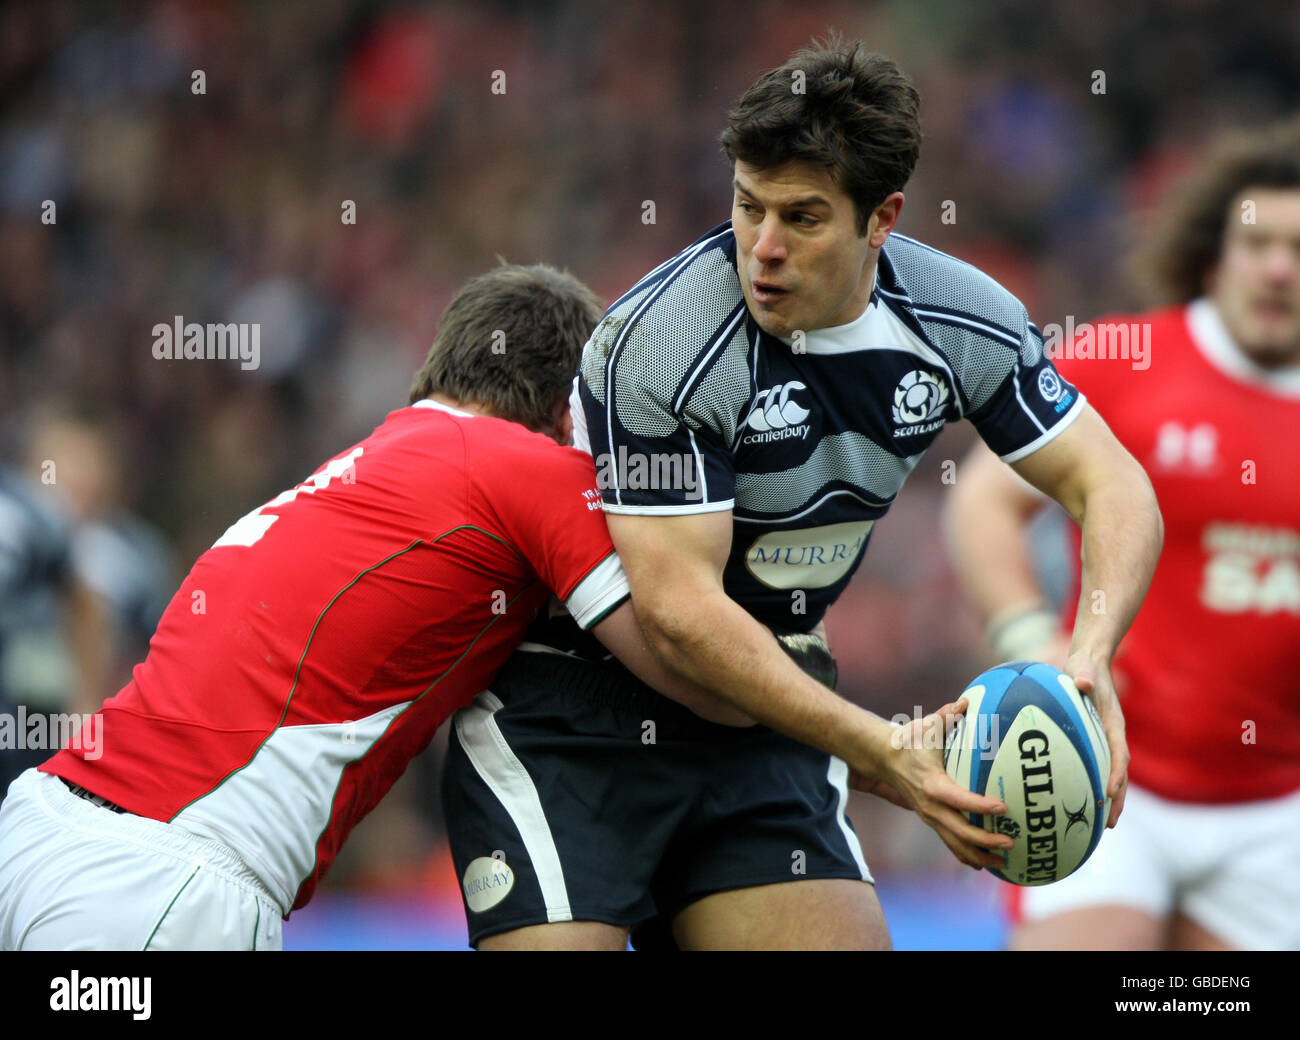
(1047, 792)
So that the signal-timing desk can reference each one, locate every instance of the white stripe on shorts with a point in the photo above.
(506, 777)
(838, 775)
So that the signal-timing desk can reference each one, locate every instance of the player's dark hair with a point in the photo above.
(510, 342)
(1187, 238)
(836, 106)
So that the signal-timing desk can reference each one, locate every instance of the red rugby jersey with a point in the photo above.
(320, 642)
(1207, 674)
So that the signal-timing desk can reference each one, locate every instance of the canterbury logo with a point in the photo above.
(773, 409)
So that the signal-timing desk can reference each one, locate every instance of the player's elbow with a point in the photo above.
(1144, 514)
(1127, 493)
(667, 615)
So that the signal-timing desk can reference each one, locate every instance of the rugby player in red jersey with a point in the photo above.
(320, 642)
(1205, 392)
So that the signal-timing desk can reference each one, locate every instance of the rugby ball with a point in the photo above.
(1031, 740)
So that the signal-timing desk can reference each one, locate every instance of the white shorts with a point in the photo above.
(1233, 869)
(77, 876)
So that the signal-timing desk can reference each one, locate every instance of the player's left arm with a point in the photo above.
(1095, 479)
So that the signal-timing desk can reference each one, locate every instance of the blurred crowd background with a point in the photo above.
(461, 132)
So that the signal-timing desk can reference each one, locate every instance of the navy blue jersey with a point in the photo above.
(688, 406)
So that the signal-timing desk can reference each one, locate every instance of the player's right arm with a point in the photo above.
(674, 566)
(623, 636)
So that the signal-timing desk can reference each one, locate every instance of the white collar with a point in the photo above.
(842, 339)
(429, 403)
(1217, 346)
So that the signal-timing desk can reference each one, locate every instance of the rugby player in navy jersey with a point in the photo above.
(753, 406)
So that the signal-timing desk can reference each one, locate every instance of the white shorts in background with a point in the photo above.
(1233, 869)
(76, 876)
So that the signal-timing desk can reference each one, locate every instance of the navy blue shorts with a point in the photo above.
(573, 792)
